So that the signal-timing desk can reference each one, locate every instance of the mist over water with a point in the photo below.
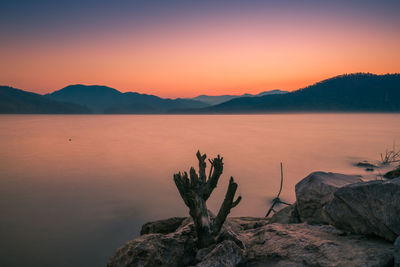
(75, 188)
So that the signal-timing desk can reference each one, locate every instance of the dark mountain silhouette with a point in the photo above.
(359, 92)
(218, 99)
(103, 99)
(15, 101)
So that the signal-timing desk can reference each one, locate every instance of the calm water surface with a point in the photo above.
(73, 203)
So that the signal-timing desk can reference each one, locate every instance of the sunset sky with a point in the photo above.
(187, 48)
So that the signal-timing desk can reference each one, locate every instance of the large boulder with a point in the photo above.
(316, 190)
(173, 249)
(286, 215)
(179, 248)
(313, 245)
(370, 208)
(397, 252)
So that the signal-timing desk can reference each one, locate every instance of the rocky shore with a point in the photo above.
(337, 220)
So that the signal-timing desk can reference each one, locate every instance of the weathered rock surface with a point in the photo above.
(173, 249)
(397, 252)
(162, 226)
(264, 245)
(316, 190)
(370, 208)
(226, 253)
(238, 224)
(286, 215)
(313, 245)
(392, 174)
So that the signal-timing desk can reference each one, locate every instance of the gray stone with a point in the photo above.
(228, 234)
(392, 174)
(369, 208)
(178, 248)
(243, 223)
(225, 254)
(203, 252)
(366, 164)
(316, 190)
(286, 215)
(174, 249)
(313, 245)
(162, 226)
(278, 245)
(397, 252)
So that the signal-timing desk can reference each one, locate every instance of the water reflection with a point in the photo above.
(73, 202)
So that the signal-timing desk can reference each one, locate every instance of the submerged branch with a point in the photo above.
(277, 201)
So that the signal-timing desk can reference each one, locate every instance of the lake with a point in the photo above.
(73, 188)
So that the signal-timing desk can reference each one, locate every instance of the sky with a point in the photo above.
(187, 48)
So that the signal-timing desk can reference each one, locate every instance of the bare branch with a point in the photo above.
(391, 156)
(218, 166)
(182, 188)
(194, 179)
(236, 202)
(227, 205)
(211, 169)
(202, 166)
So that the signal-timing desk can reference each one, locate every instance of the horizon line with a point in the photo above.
(223, 94)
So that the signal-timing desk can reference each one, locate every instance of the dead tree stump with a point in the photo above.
(197, 189)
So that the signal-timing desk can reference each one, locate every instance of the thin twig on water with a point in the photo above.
(277, 200)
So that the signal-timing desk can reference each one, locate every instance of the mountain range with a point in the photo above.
(218, 99)
(15, 101)
(103, 99)
(359, 92)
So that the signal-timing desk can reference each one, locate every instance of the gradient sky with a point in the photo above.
(187, 48)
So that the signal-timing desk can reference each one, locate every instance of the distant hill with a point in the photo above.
(217, 99)
(15, 101)
(103, 99)
(360, 92)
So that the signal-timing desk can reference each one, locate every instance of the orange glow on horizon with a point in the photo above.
(220, 57)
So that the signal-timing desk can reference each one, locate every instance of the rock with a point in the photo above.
(370, 208)
(228, 234)
(286, 215)
(314, 191)
(366, 164)
(178, 248)
(392, 174)
(173, 249)
(397, 252)
(228, 231)
(243, 223)
(203, 252)
(225, 254)
(162, 226)
(264, 245)
(313, 245)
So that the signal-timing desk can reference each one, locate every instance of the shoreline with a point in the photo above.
(317, 229)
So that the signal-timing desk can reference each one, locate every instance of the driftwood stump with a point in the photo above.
(197, 189)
